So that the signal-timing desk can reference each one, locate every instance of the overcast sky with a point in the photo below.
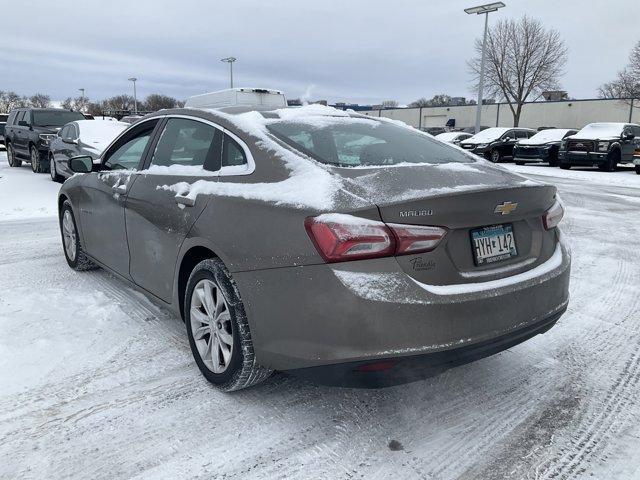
(341, 50)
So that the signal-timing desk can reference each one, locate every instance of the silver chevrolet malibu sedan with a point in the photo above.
(343, 248)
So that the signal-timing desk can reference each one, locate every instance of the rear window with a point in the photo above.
(55, 118)
(353, 142)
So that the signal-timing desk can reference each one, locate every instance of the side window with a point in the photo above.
(232, 154)
(522, 134)
(508, 134)
(129, 151)
(186, 142)
(27, 117)
(19, 116)
(12, 118)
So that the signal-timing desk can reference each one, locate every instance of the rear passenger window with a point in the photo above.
(186, 142)
(232, 154)
(521, 134)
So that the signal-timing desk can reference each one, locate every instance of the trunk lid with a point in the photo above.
(461, 197)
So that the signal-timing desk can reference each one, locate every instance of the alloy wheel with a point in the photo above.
(69, 235)
(211, 325)
(495, 156)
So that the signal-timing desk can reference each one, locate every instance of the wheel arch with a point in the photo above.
(192, 255)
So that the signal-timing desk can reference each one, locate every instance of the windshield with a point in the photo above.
(354, 142)
(597, 130)
(489, 134)
(55, 118)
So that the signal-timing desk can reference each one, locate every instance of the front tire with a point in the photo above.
(612, 162)
(565, 166)
(36, 163)
(218, 330)
(73, 252)
(495, 156)
(517, 162)
(52, 170)
(638, 169)
(11, 157)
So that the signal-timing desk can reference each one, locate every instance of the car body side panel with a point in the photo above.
(156, 227)
(103, 218)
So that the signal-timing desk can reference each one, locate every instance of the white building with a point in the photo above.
(560, 114)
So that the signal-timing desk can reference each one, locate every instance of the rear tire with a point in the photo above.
(216, 322)
(11, 157)
(73, 252)
(519, 163)
(638, 169)
(553, 159)
(565, 166)
(36, 163)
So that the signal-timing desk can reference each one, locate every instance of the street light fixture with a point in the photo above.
(485, 9)
(230, 61)
(135, 95)
(81, 90)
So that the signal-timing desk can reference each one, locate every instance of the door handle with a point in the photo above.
(185, 201)
(119, 188)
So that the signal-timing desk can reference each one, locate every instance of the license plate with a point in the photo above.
(493, 244)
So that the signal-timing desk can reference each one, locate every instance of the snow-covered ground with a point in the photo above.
(97, 382)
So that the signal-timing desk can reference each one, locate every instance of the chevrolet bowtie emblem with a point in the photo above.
(505, 208)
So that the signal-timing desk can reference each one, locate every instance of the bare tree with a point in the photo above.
(156, 101)
(523, 60)
(627, 84)
(440, 100)
(389, 104)
(119, 102)
(40, 100)
(11, 100)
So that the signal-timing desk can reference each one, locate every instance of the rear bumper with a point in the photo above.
(361, 311)
(396, 371)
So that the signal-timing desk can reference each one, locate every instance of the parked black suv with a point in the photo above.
(602, 145)
(496, 143)
(29, 132)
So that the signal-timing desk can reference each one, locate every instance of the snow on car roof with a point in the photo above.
(598, 130)
(546, 136)
(446, 136)
(99, 134)
(489, 134)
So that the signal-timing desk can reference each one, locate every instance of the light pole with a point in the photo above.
(486, 10)
(230, 61)
(135, 95)
(81, 90)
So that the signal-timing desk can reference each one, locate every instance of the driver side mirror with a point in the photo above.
(81, 164)
(507, 139)
(70, 141)
(627, 134)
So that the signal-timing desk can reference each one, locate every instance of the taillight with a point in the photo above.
(553, 216)
(416, 238)
(340, 238)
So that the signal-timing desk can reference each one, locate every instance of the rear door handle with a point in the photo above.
(186, 201)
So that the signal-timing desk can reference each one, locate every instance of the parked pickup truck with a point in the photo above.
(602, 145)
(29, 132)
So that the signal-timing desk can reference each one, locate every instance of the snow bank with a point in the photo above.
(24, 194)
